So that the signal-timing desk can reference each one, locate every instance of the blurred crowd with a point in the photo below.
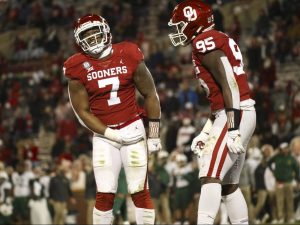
(42, 146)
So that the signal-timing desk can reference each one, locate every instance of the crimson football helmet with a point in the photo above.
(97, 41)
(190, 18)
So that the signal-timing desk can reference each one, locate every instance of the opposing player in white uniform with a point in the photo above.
(221, 144)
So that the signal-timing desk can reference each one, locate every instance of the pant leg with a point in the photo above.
(59, 212)
(261, 200)
(135, 161)
(279, 192)
(288, 192)
(63, 214)
(164, 198)
(246, 190)
(216, 161)
(273, 205)
(107, 165)
(79, 208)
(247, 127)
(56, 212)
(89, 210)
(156, 203)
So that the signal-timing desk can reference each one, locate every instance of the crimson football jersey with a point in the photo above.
(209, 41)
(109, 83)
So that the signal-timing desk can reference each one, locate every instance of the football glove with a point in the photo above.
(153, 144)
(199, 142)
(124, 137)
(234, 142)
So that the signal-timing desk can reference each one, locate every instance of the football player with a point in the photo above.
(102, 81)
(221, 145)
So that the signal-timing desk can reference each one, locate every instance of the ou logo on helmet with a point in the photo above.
(190, 13)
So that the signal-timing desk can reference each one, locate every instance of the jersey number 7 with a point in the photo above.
(115, 82)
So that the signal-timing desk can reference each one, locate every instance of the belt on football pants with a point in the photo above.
(121, 125)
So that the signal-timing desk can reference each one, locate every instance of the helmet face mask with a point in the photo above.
(92, 34)
(178, 38)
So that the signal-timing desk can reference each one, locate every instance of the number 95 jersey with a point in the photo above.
(109, 83)
(215, 40)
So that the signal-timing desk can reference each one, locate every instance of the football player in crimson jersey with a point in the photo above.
(222, 142)
(102, 81)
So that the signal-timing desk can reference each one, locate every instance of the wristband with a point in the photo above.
(153, 128)
(233, 118)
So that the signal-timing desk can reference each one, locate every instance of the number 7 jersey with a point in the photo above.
(214, 40)
(109, 83)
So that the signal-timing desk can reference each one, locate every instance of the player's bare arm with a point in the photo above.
(217, 63)
(145, 84)
(214, 62)
(80, 103)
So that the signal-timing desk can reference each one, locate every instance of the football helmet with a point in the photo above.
(92, 34)
(190, 18)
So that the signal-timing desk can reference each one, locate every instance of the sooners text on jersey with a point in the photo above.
(109, 83)
(207, 42)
